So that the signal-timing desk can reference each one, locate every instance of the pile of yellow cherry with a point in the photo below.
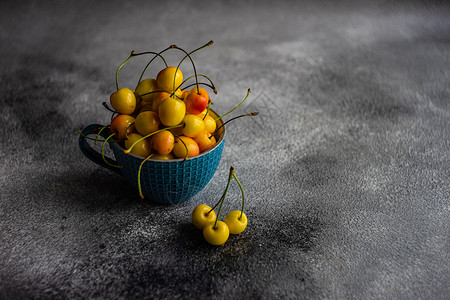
(161, 119)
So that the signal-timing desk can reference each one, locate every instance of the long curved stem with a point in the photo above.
(248, 93)
(213, 87)
(187, 150)
(107, 107)
(197, 84)
(159, 91)
(193, 65)
(93, 139)
(245, 115)
(139, 175)
(126, 130)
(207, 109)
(120, 67)
(113, 115)
(103, 152)
(156, 55)
(242, 192)
(223, 196)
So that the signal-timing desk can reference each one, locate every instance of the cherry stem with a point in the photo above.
(133, 54)
(148, 64)
(248, 93)
(160, 91)
(107, 107)
(148, 135)
(139, 175)
(245, 115)
(198, 83)
(223, 195)
(213, 87)
(222, 199)
(92, 139)
(207, 109)
(185, 146)
(126, 130)
(113, 115)
(243, 198)
(98, 134)
(120, 67)
(193, 65)
(103, 152)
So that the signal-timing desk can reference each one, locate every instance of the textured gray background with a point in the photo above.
(346, 169)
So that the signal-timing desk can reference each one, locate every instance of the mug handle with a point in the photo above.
(90, 153)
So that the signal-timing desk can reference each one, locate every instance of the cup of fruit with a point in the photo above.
(166, 140)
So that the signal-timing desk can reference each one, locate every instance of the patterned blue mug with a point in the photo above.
(163, 181)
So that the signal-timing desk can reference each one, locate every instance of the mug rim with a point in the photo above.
(220, 141)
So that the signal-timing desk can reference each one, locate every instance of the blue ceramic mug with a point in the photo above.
(163, 181)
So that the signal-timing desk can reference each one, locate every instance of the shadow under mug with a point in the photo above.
(162, 181)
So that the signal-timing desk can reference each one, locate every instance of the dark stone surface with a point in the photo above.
(346, 169)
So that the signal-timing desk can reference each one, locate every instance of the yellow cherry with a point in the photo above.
(179, 94)
(145, 107)
(140, 149)
(123, 101)
(177, 131)
(179, 149)
(147, 122)
(122, 125)
(165, 79)
(203, 92)
(200, 216)
(146, 86)
(158, 99)
(205, 141)
(193, 125)
(210, 124)
(216, 235)
(163, 157)
(184, 93)
(196, 102)
(171, 111)
(203, 113)
(236, 223)
(163, 142)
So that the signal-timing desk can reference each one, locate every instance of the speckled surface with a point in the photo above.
(346, 168)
